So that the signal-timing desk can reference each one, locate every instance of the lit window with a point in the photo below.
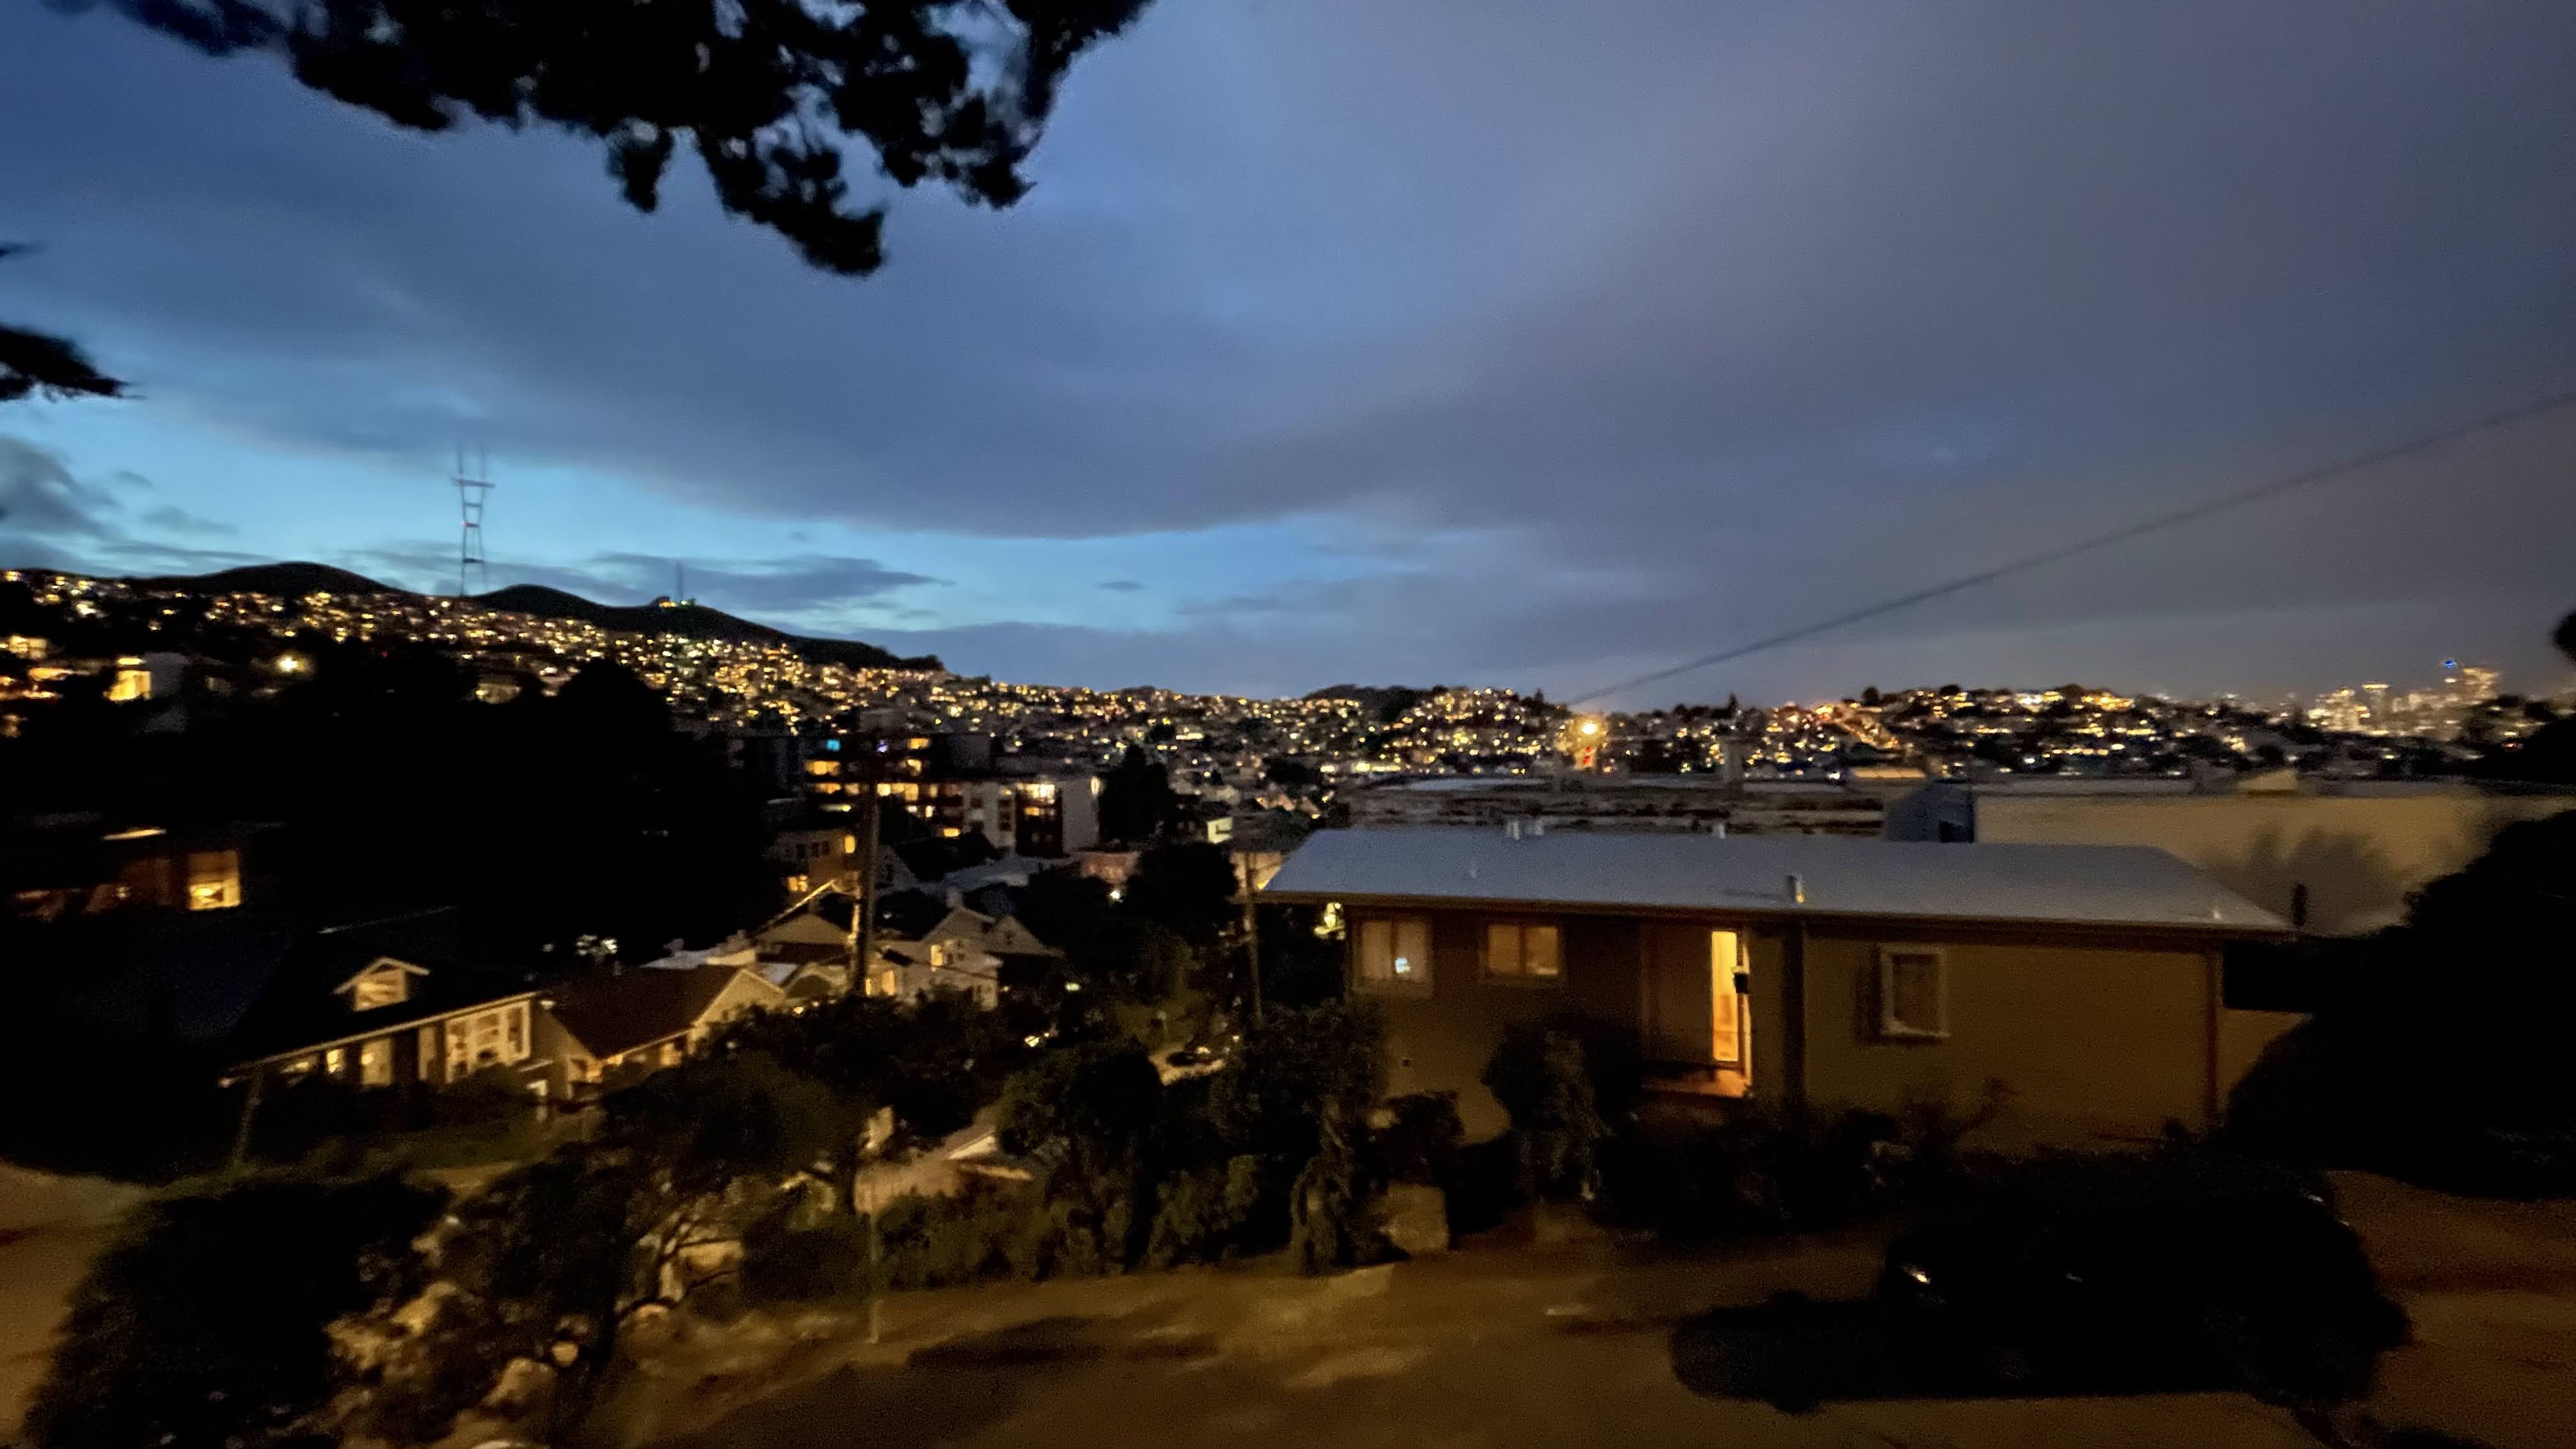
(1395, 954)
(335, 1061)
(1522, 951)
(386, 986)
(1913, 993)
(376, 1062)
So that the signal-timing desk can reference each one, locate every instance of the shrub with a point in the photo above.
(781, 1263)
(1422, 1139)
(1205, 1213)
(1329, 1220)
(1766, 1170)
(1544, 1081)
(207, 1321)
(1613, 1065)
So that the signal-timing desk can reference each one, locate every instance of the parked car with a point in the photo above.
(2149, 1276)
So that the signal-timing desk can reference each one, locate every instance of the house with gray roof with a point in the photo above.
(2081, 987)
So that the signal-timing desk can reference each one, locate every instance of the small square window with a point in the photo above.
(1523, 951)
(1913, 994)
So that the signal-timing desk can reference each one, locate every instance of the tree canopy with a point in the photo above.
(39, 363)
(768, 93)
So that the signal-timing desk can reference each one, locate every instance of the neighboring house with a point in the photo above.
(807, 952)
(2088, 981)
(975, 931)
(913, 969)
(375, 1020)
(2333, 857)
(810, 852)
(642, 1019)
(89, 865)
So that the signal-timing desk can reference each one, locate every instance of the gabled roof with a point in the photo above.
(1010, 937)
(960, 924)
(304, 1007)
(2099, 885)
(620, 1013)
(379, 964)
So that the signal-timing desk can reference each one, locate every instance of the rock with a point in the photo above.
(1416, 1218)
(522, 1390)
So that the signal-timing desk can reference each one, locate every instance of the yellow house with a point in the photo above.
(2088, 981)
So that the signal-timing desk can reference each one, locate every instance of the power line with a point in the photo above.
(2270, 488)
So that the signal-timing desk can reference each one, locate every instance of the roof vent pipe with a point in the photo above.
(1797, 889)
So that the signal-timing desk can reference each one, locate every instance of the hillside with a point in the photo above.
(290, 579)
(688, 620)
(694, 621)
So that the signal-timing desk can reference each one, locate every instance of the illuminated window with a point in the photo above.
(1395, 954)
(1913, 993)
(849, 845)
(335, 1061)
(1522, 951)
(797, 885)
(214, 880)
(376, 1062)
(385, 986)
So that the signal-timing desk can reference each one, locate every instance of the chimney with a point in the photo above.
(1797, 889)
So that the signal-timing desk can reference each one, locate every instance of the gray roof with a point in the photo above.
(2072, 884)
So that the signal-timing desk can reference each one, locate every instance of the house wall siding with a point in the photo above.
(2092, 1040)
(1441, 1042)
(2096, 1038)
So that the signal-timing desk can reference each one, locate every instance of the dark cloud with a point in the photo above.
(170, 518)
(1592, 337)
(40, 497)
(53, 517)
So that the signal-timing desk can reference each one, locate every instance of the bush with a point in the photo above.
(1613, 1065)
(1422, 1139)
(1205, 1213)
(206, 1321)
(1768, 1170)
(784, 1264)
(1544, 1080)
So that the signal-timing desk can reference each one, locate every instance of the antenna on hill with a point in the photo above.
(471, 491)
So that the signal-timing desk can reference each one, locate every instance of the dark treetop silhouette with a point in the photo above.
(766, 91)
(35, 362)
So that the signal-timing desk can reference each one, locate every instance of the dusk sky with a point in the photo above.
(1505, 343)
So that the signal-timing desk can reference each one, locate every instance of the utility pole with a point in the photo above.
(1251, 930)
(863, 930)
(250, 1106)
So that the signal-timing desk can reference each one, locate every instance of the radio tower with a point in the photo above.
(471, 490)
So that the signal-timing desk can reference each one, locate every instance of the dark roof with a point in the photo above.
(804, 952)
(301, 1006)
(617, 1014)
(184, 975)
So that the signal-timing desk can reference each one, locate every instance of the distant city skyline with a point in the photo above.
(1340, 343)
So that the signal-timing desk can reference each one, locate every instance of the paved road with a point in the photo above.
(1497, 1346)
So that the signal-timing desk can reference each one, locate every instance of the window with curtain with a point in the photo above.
(1395, 954)
(1523, 951)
